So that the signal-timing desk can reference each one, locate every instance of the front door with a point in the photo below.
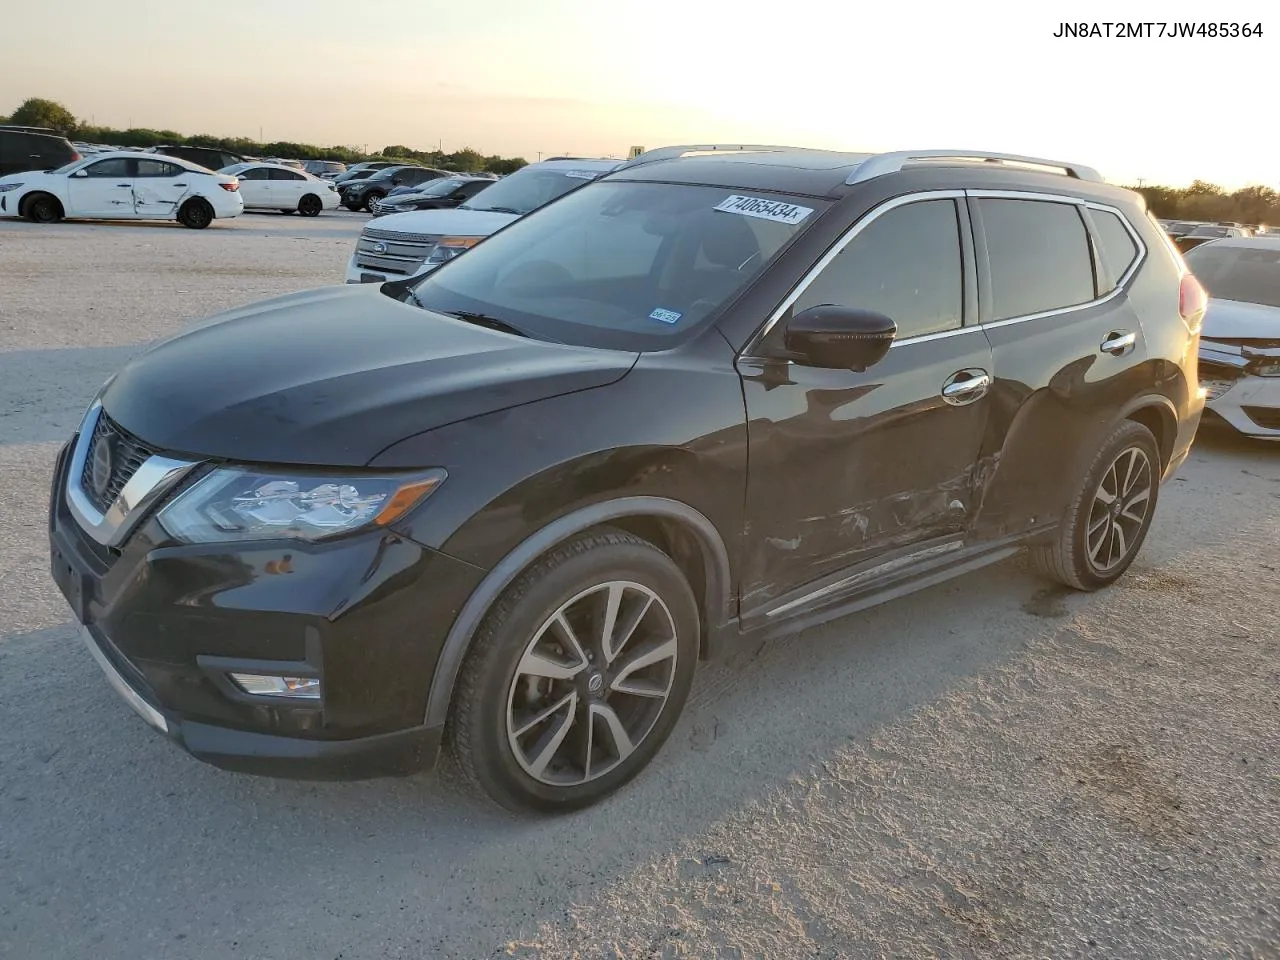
(848, 467)
(159, 186)
(102, 189)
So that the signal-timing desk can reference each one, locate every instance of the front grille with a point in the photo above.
(403, 253)
(128, 453)
(1266, 417)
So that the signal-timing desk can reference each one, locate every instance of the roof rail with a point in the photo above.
(885, 163)
(670, 153)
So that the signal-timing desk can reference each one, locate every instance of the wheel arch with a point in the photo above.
(1158, 414)
(684, 533)
(30, 195)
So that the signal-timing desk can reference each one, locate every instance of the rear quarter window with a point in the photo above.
(1039, 254)
(1119, 250)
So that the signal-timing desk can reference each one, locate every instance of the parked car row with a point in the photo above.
(1187, 234)
(670, 406)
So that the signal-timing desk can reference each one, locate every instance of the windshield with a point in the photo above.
(386, 173)
(1251, 274)
(528, 189)
(630, 266)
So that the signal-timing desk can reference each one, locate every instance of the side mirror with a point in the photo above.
(80, 173)
(841, 338)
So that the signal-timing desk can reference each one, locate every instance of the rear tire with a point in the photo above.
(196, 214)
(310, 205)
(555, 718)
(42, 208)
(1107, 520)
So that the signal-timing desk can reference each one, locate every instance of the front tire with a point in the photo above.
(310, 205)
(196, 214)
(371, 199)
(1107, 521)
(42, 208)
(577, 675)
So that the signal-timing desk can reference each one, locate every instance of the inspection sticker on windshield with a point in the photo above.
(665, 316)
(764, 209)
(581, 174)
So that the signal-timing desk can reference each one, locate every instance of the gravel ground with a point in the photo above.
(990, 768)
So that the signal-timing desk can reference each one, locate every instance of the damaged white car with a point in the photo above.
(1240, 341)
(124, 185)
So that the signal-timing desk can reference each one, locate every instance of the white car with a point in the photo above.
(269, 186)
(410, 244)
(1240, 339)
(124, 185)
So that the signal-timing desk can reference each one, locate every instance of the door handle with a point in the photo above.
(966, 386)
(179, 184)
(124, 184)
(1118, 343)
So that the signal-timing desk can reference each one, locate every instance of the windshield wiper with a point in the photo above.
(496, 210)
(484, 320)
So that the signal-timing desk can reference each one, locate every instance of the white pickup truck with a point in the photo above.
(409, 244)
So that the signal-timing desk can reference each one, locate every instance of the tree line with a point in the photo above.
(1200, 201)
(38, 112)
(1208, 201)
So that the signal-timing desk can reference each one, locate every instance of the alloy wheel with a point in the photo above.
(591, 683)
(1119, 511)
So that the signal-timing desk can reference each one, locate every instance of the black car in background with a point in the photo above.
(209, 157)
(325, 169)
(441, 194)
(33, 148)
(362, 194)
(716, 396)
(364, 169)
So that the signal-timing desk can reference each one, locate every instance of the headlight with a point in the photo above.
(6, 187)
(244, 504)
(449, 247)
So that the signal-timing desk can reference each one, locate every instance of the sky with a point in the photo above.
(544, 77)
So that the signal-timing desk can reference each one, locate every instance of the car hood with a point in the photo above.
(455, 222)
(1238, 320)
(334, 376)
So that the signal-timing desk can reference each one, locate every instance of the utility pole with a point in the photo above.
(1141, 181)
(539, 156)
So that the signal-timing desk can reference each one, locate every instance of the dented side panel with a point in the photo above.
(846, 465)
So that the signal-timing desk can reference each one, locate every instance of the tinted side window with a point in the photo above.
(158, 168)
(254, 173)
(1039, 253)
(286, 175)
(471, 189)
(905, 264)
(1118, 249)
(115, 167)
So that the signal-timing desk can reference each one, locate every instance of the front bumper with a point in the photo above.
(1246, 401)
(168, 622)
(399, 753)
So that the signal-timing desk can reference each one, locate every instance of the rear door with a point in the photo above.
(102, 189)
(1069, 351)
(849, 467)
(287, 187)
(159, 187)
(255, 187)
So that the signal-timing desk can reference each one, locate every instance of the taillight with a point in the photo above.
(1192, 301)
(231, 187)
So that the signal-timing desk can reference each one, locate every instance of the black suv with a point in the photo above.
(33, 148)
(364, 193)
(703, 400)
(208, 157)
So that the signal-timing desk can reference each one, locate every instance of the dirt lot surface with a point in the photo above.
(992, 768)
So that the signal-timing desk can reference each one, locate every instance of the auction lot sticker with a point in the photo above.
(764, 209)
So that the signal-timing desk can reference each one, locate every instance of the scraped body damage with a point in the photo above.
(845, 466)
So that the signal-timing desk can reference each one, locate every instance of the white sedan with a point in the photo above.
(125, 185)
(270, 186)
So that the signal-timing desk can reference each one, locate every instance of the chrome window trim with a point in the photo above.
(838, 247)
(1079, 202)
(149, 483)
(885, 163)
